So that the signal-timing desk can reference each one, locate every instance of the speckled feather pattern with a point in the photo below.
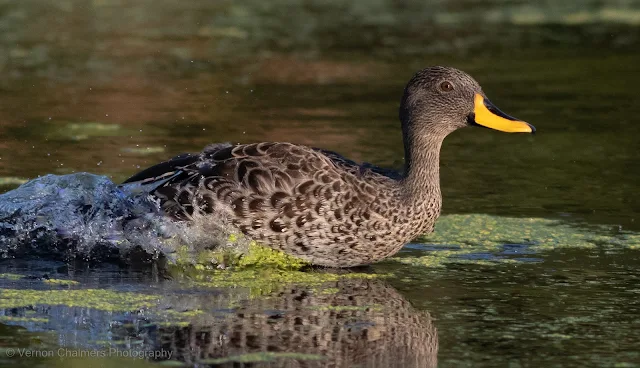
(309, 203)
(316, 204)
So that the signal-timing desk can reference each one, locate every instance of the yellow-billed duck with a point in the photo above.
(318, 205)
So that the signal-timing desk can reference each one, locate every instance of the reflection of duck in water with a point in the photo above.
(350, 323)
(320, 206)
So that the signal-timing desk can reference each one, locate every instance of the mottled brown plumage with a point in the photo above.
(316, 204)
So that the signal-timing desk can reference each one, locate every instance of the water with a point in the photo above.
(87, 217)
(535, 262)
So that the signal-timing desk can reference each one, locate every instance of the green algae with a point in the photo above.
(176, 318)
(239, 252)
(261, 357)
(460, 236)
(61, 282)
(10, 276)
(100, 299)
(260, 269)
(23, 319)
(493, 232)
(263, 280)
(261, 256)
(439, 258)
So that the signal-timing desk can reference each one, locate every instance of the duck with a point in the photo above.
(319, 206)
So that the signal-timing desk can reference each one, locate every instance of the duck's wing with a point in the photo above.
(151, 178)
(225, 173)
(177, 163)
(364, 169)
(259, 180)
(163, 170)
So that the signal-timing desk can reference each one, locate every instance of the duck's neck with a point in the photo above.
(422, 166)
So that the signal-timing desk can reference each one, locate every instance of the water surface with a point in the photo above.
(545, 272)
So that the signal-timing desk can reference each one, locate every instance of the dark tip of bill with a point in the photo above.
(491, 107)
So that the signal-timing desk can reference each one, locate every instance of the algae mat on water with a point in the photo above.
(460, 238)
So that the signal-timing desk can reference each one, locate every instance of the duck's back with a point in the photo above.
(310, 203)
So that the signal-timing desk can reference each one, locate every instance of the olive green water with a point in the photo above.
(535, 262)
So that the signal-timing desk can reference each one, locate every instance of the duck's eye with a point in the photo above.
(446, 86)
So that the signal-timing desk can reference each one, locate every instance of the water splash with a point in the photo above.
(89, 217)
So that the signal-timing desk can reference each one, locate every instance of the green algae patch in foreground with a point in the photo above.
(106, 300)
(61, 282)
(10, 276)
(262, 357)
(238, 253)
(23, 319)
(457, 237)
(261, 256)
(260, 269)
(264, 280)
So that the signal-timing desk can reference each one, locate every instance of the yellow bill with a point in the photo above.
(487, 115)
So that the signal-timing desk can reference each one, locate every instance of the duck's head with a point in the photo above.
(441, 100)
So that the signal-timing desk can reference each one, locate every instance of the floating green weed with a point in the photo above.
(262, 357)
(238, 253)
(61, 282)
(23, 319)
(457, 236)
(10, 276)
(263, 280)
(493, 231)
(106, 300)
(260, 256)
